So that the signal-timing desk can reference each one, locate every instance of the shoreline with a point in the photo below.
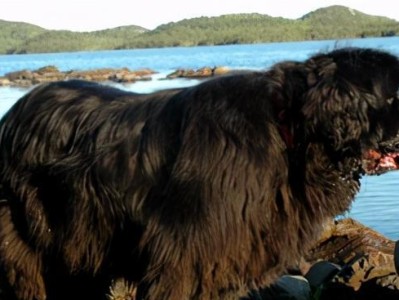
(27, 78)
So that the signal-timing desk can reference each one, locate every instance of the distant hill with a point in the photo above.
(337, 22)
(334, 22)
(68, 41)
(13, 33)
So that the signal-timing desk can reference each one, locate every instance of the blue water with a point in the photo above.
(377, 203)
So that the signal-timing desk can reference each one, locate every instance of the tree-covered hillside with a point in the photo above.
(13, 33)
(68, 41)
(334, 22)
(337, 22)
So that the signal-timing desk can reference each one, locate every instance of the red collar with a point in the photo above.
(285, 129)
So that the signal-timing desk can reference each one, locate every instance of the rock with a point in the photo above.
(47, 69)
(369, 254)
(4, 81)
(178, 73)
(51, 73)
(144, 72)
(220, 71)
(123, 75)
(19, 75)
(203, 72)
(22, 82)
(287, 287)
(200, 73)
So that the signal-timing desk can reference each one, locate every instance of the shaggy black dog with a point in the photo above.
(199, 193)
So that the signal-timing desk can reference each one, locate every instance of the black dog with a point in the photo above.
(199, 193)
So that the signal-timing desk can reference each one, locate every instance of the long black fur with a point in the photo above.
(198, 193)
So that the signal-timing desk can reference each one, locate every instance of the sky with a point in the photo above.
(89, 15)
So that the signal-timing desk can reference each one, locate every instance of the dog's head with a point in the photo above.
(353, 103)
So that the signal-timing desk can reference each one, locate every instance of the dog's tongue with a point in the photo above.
(376, 163)
(389, 162)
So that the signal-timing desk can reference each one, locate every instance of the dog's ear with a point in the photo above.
(334, 108)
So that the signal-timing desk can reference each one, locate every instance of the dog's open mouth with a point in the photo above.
(379, 161)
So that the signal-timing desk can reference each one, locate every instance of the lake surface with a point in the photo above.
(377, 203)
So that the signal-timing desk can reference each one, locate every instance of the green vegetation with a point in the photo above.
(13, 33)
(334, 22)
(223, 30)
(68, 41)
(337, 22)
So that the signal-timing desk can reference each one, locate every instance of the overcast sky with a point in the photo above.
(88, 15)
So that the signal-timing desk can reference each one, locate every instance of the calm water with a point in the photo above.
(375, 205)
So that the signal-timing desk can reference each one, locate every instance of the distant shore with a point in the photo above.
(334, 22)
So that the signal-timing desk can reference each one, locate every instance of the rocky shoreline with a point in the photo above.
(27, 78)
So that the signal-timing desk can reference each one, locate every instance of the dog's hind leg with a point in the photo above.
(20, 263)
